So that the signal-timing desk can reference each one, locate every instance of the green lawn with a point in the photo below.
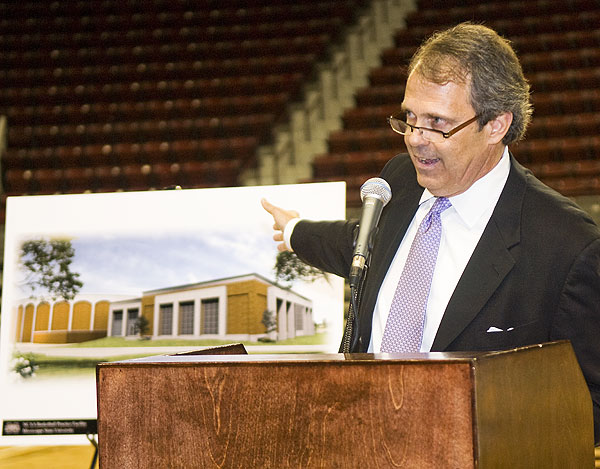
(51, 367)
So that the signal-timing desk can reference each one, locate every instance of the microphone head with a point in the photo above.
(378, 188)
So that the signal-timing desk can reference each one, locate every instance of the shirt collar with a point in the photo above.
(483, 194)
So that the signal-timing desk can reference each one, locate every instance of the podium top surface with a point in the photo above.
(448, 357)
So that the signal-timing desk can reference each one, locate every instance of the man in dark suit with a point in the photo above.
(518, 264)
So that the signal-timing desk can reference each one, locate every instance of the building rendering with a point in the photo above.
(229, 309)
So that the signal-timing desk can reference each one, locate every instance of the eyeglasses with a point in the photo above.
(431, 135)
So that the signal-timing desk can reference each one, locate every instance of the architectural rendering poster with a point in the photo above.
(90, 278)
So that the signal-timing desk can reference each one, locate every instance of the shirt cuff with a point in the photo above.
(287, 232)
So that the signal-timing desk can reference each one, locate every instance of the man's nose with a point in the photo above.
(415, 138)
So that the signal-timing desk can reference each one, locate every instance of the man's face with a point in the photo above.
(452, 166)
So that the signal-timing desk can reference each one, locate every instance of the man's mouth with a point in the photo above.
(428, 161)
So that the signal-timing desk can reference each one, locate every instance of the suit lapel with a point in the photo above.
(491, 261)
(392, 230)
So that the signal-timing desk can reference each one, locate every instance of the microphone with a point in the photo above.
(375, 194)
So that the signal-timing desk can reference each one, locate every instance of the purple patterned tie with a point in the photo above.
(404, 327)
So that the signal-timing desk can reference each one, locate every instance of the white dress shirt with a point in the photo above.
(462, 227)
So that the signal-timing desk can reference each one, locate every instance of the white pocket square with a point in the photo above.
(496, 329)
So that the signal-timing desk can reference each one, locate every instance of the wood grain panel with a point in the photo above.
(288, 415)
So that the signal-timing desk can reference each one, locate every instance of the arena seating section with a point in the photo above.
(108, 95)
(131, 95)
(559, 46)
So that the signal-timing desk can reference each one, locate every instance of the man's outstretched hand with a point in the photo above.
(281, 218)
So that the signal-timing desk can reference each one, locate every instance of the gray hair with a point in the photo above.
(475, 54)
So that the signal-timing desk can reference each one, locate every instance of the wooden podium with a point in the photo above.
(523, 408)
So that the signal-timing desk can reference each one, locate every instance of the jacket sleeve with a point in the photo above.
(578, 320)
(327, 245)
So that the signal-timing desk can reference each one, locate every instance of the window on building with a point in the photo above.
(132, 315)
(299, 317)
(117, 323)
(210, 316)
(166, 319)
(186, 317)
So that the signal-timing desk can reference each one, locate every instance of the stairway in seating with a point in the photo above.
(558, 43)
(132, 95)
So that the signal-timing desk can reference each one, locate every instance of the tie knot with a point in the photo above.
(440, 204)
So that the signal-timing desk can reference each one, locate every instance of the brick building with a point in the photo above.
(230, 308)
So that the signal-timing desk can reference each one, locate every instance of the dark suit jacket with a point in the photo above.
(536, 269)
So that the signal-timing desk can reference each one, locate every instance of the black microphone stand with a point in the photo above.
(356, 286)
(355, 293)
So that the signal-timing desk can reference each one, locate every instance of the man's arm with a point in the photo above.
(326, 245)
(578, 319)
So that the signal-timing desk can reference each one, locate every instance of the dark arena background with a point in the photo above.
(132, 95)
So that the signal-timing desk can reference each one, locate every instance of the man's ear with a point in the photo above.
(498, 127)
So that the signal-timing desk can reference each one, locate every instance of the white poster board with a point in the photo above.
(132, 246)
